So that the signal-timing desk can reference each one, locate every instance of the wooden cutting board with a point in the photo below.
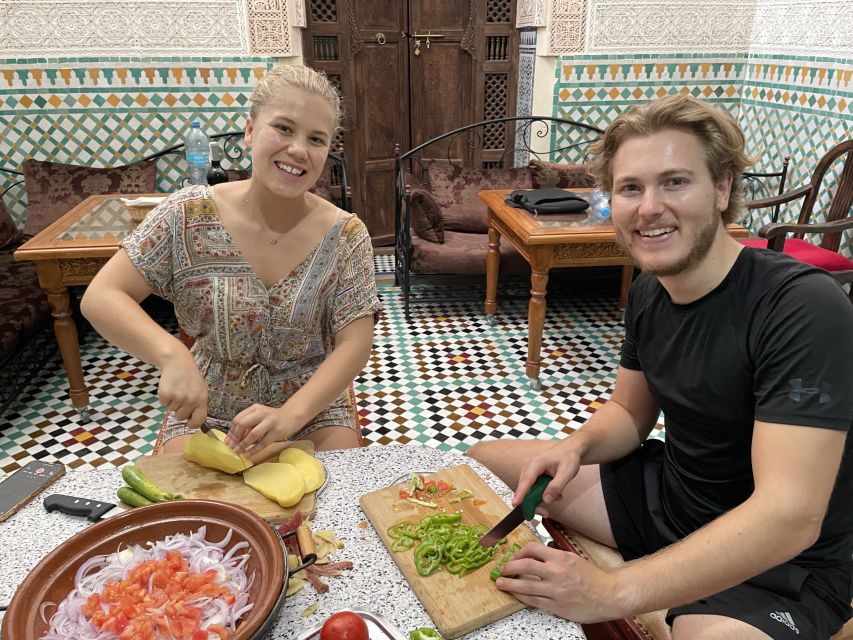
(171, 473)
(456, 605)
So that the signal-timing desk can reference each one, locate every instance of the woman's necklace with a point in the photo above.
(273, 240)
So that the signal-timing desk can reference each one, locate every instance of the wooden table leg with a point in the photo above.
(535, 324)
(627, 278)
(69, 346)
(493, 265)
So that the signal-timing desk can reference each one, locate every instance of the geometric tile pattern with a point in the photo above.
(132, 27)
(524, 101)
(111, 111)
(445, 379)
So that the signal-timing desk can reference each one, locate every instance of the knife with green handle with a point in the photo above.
(524, 511)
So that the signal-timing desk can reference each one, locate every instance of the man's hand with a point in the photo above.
(561, 462)
(257, 427)
(182, 389)
(561, 583)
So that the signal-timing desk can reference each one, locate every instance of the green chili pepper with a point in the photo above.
(402, 543)
(404, 528)
(427, 558)
(425, 633)
(495, 573)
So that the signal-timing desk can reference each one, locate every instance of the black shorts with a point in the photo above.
(789, 601)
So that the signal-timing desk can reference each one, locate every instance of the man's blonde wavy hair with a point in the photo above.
(719, 135)
(286, 76)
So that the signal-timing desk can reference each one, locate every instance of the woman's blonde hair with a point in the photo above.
(287, 76)
(719, 135)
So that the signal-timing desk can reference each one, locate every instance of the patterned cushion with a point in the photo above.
(23, 302)
(426, 217)
(53, 189)
(555, 174)
(455, 190)
(8, 230)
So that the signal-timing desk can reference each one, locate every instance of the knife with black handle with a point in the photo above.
(92, 510)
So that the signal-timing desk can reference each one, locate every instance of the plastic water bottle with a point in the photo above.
(197, 153)
(599, 207)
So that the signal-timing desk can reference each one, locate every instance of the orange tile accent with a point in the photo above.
(141, 99)
(179, 74)
(730, 91)
(821, 74)
(9, 75)
(150, 73)
(205, 74)
(27, 102)
(37, 75)
(170, 100)
(590, 70)
(613, 69)
(786, 97)
(704, 68)
(94, 73)
(842, 104)
(114, 100)
(682, 69)
(567, 71)
(589, 94)
(638, 93)
(231, 72)
(66, 75)
(54, 101)
(661, 92)
(564, 94)
(595, 405)
(659, 69)
(821, 102)
(84, 100)
(803, 98)
(458, 359)
(613, 93)
(199, 99)
(708, 91)
(557, 353)
(259, 73)
(121, 72)
(80, 437)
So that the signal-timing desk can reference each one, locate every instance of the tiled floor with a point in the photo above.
(446, 379)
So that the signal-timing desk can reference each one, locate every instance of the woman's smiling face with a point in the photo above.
(289, 140)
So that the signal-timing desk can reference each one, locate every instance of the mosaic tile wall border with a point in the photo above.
(786, 105)
(114, 110)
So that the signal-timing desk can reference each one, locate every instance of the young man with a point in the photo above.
(740, 524)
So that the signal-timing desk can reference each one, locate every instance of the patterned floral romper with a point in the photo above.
(253, 344)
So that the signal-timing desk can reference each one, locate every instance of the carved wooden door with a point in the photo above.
(410, 70)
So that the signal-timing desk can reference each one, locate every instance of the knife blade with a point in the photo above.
(92, 510)
(524, 511)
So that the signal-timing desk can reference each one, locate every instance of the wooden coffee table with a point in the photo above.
(549, 241)
(70, 252)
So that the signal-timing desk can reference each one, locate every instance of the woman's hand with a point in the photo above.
(182, 388)
(561, 583)
(259, 426)
(561, 461)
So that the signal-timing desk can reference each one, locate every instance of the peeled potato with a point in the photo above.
(308, 466)
(214, 454)
(277, 481)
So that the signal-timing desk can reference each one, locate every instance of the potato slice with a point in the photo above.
(277, 481)
(214, 453)
(311, 469)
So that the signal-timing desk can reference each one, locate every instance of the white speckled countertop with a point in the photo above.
(374, 584)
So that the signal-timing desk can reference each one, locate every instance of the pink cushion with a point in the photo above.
(808, 253)
(53, 189)
(455, 190)
(559, 174)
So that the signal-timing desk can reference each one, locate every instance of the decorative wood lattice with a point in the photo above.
(326, 48)
(338, 142)
(494, 135)
(324, 11)
(497, 48)
(498, 10)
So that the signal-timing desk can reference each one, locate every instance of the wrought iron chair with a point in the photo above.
(496, 144)
(838, 218)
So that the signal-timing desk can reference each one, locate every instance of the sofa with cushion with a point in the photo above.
(441, 223)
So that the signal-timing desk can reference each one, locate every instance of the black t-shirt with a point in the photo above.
(773, 342)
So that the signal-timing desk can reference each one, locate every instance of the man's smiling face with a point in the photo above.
(665, 204)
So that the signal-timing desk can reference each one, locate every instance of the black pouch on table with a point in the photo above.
(547, 200)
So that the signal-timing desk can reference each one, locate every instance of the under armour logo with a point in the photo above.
(798, 390)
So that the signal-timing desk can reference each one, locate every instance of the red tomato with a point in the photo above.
(344, 625)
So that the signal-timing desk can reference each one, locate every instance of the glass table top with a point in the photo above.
(109, 219)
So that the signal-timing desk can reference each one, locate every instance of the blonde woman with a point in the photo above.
(275, 284)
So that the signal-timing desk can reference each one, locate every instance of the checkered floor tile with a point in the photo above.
(445, 378)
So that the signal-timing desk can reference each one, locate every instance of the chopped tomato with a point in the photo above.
(444, 486)
(404, 495)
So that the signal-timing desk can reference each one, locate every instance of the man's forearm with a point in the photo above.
(611, 433)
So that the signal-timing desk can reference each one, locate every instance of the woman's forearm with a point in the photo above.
(122, 322)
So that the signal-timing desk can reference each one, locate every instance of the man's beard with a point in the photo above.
(701, 246)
